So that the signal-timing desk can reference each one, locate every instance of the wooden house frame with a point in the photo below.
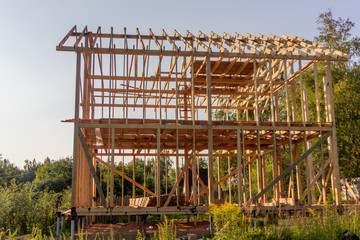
(152, 96)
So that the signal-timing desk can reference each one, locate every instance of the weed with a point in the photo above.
(167, 230)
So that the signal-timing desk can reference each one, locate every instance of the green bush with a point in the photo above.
(167, 230)
(23, 208)
(230, 223)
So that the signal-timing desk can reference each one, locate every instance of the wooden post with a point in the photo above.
(76, 131)
(166, 175)
(250, 182)
(296, 147)
(275, 170)
(280, 168)
(305, 118)
(87, 157)
(122, 181)
(243, 151)
(296, 155)
(177, 131)
(127, 89)
(333, 144)
(229, 171)
(144, 175)
(219, 177)
(256, 114)
(240, 178)
(158, 166)
(318, 113)
(263, 163)
(275, 161)
(134, 175)
(210, 133)
(193, 155)
(186, 178)
(112, 167)
(158, 169)
(292, 180)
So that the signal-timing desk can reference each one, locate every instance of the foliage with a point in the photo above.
(229, 223)
(7, 171)
(26, 207)
(167, 230)
(139, 236)
(336, 34)
(23, 208)
(54, 175)
(347, 111)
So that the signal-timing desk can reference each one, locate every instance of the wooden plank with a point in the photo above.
(127, 178)
(314, 180)
(350, 189)
(219, 177)
(292, 166)
(193, 154)
(333, 145)
(152, 52)
(67, 36)
(92, 169)
(157, 182)
(76, 130)
(134, 180)
(240, 177)
(210, 132)
(326, 183)
(112, 184)
(185, 167)
(80, 37)
(230, 183)
(294, 44)
(305, 118)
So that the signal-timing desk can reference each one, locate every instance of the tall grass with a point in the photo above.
(230, 223)
(167, 230)
(24, 208)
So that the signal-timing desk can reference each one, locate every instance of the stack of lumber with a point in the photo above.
(139, 201)
(151, 201)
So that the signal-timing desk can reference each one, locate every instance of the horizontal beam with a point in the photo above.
(141, 210)
(192, 53)
(204, 127)
(198, 79)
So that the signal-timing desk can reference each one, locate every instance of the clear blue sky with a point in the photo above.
(37, 83)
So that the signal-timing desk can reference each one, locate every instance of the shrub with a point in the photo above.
(228, 221)
(167, 230)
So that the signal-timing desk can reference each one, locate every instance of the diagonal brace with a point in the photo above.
(291, 167)
(92, 169)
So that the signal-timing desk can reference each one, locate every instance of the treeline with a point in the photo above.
(337, 34)
(30, 197)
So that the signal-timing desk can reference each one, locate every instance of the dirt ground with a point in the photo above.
(129, 230)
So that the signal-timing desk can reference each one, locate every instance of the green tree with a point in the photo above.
(8, 171)
(337, 34)
(54, 175)
(28, 174)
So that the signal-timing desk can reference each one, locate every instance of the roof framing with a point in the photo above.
(227, 46)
